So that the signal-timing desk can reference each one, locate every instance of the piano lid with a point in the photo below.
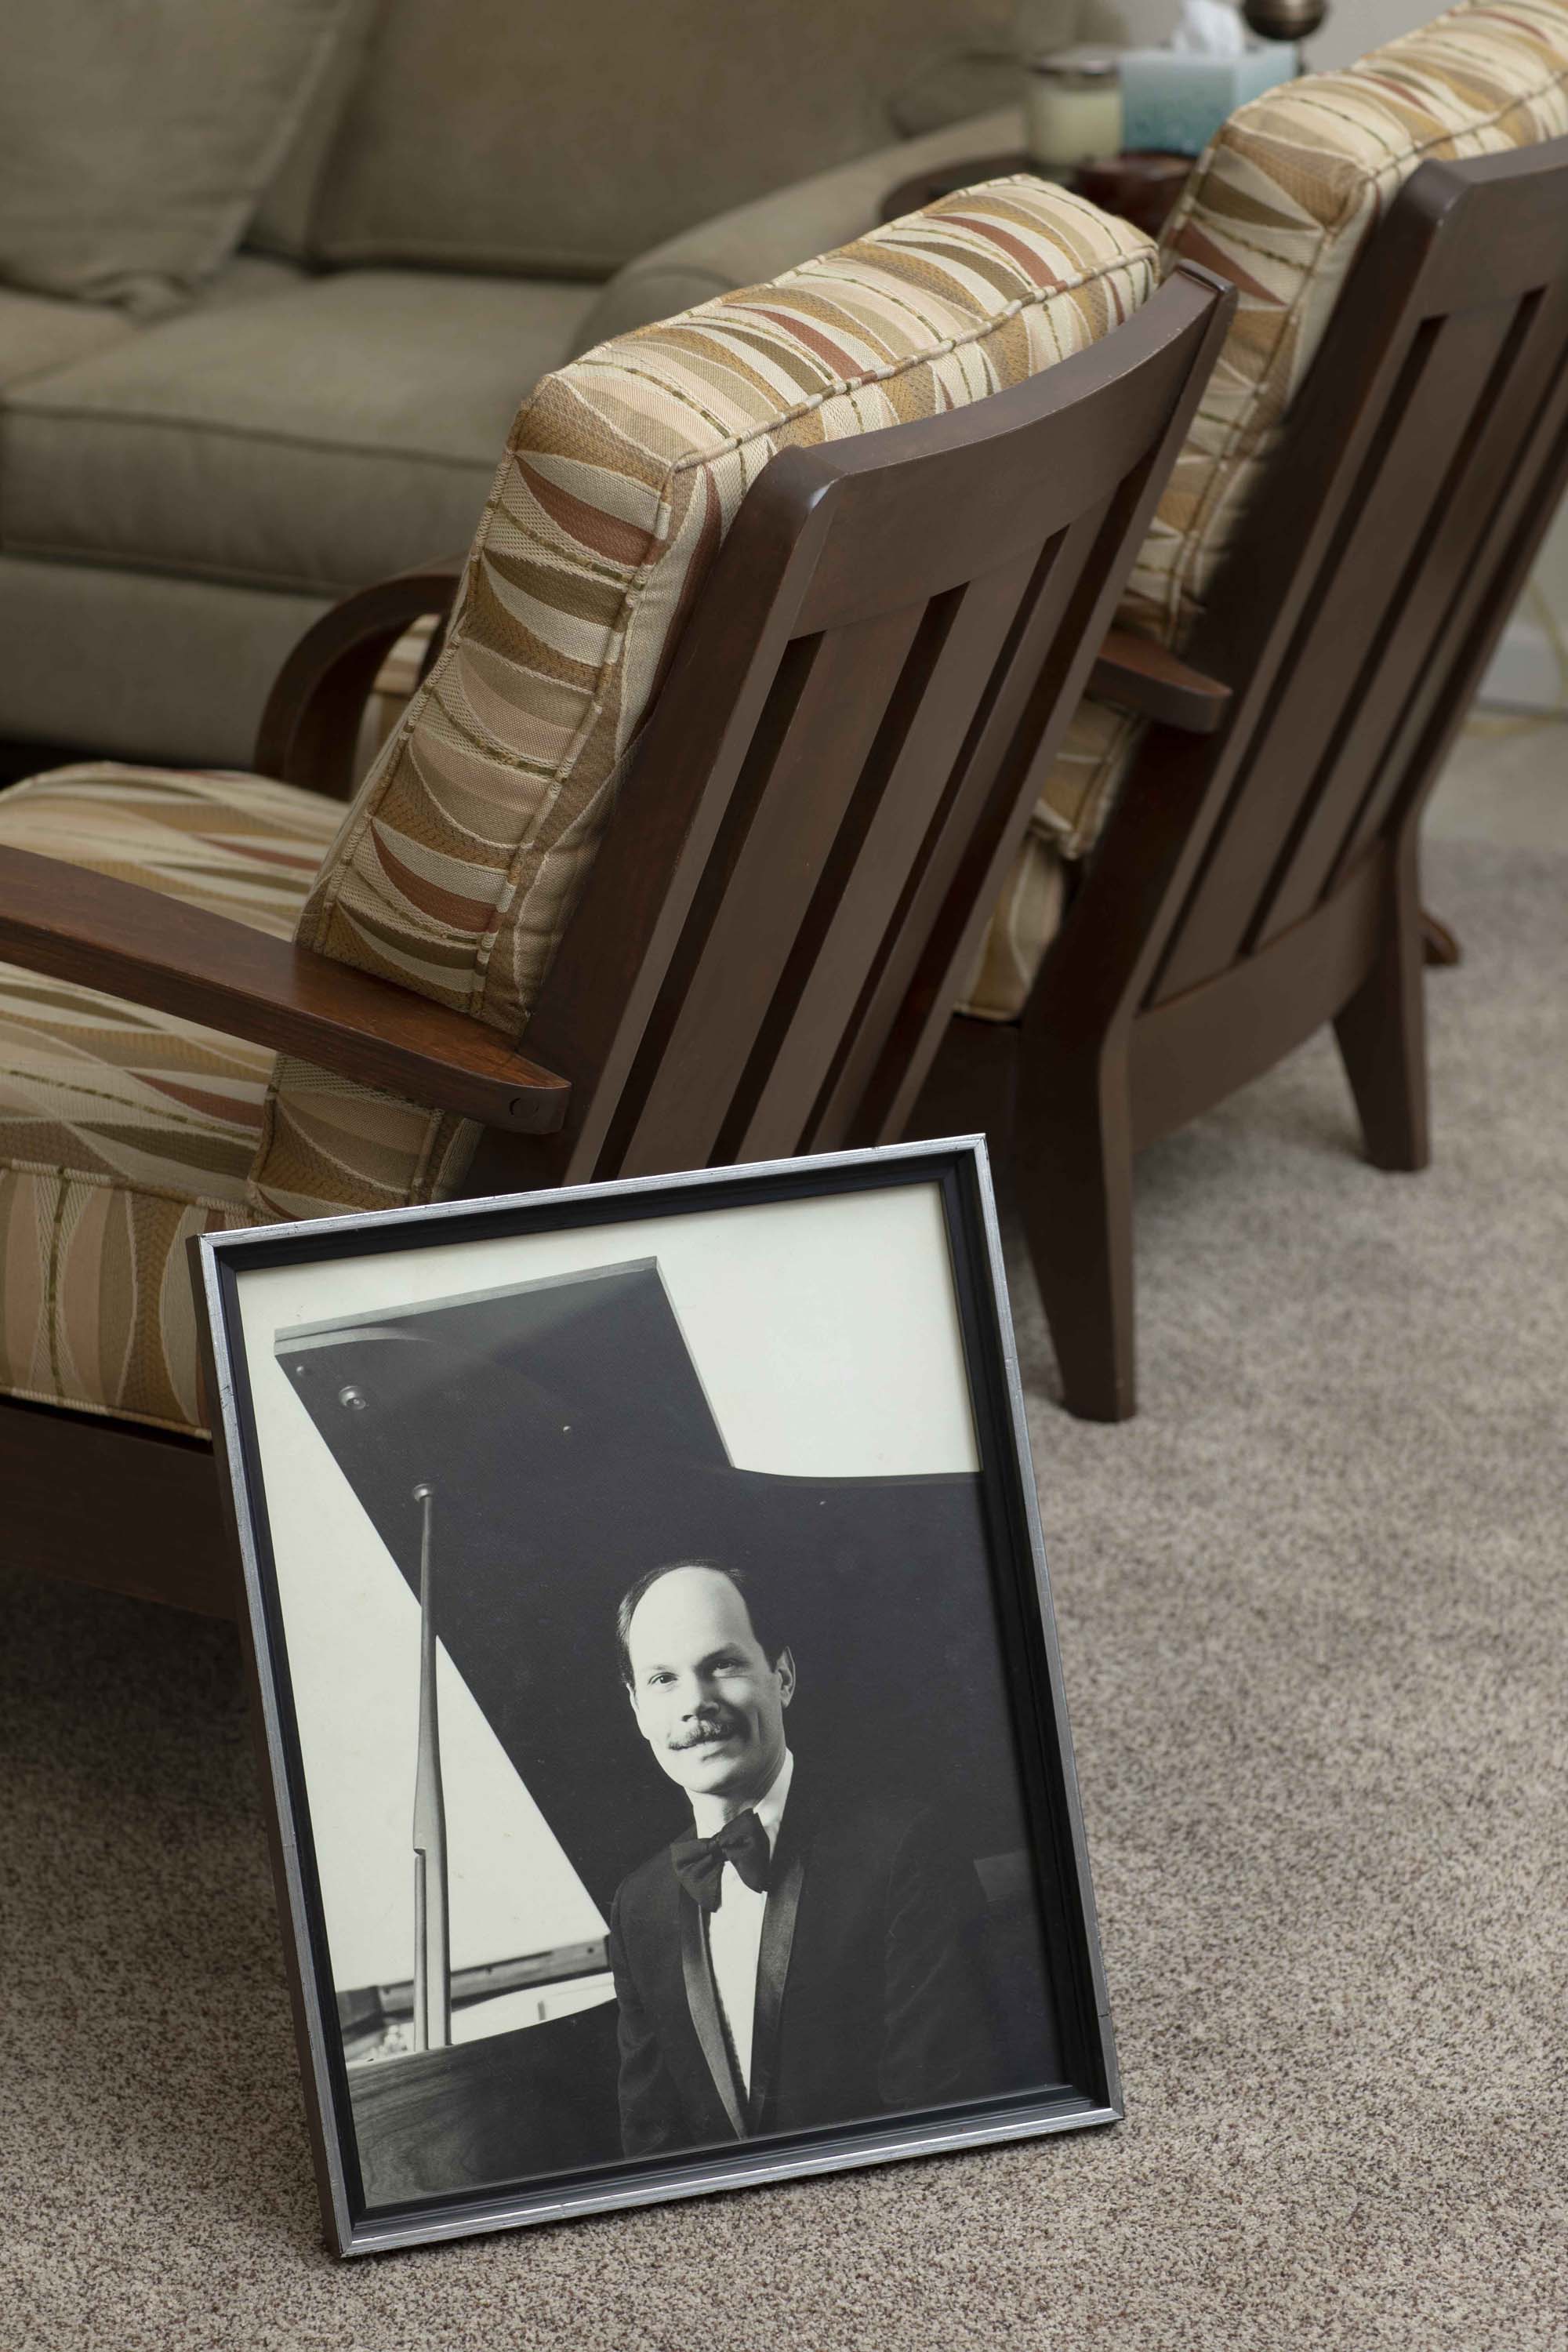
(566, 1432)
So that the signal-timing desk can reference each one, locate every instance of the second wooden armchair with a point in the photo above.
(1382, 444)
(681, 853)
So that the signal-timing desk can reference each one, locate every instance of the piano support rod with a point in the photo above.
(432, 1946)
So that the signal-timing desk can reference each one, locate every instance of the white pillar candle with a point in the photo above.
(1072, 110)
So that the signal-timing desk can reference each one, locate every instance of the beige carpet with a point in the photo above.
(1313, 1606)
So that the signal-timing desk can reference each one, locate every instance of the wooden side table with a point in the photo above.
(1141, 188)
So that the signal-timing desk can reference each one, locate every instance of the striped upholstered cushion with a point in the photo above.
(1281, 203)
(459, 863)
(123, 1131)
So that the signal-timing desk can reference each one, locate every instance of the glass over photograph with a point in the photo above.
(659, 1755)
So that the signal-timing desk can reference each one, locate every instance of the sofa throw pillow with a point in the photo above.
(136, 137)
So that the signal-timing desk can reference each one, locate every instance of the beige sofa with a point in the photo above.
(477, 193)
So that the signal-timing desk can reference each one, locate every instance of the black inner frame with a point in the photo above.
(1020, 1594)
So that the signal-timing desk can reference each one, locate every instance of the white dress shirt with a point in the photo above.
(735, 1931)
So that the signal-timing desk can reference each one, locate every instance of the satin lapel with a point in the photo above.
(702, 2000)
(773, 1969)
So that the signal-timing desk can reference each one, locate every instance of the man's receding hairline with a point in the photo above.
(693, 1567)
(626, 1615)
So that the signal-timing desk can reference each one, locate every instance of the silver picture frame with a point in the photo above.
(1072, 2085)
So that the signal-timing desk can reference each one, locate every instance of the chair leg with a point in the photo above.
(1382, 1035)
(1073, 1160)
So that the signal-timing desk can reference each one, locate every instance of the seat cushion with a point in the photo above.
(140, 665)
(39, 335)
(340, 430)
(1282, 203)
(124, 1131)
(462, 858)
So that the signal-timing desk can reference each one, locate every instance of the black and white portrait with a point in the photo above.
(659, 1787)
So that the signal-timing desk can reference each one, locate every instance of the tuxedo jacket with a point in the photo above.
(871, 1993)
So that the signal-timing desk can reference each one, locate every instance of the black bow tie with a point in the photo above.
(700, 1862)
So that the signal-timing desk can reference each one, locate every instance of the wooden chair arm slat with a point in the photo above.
(1135, 673)
(309, 728)
(136, 943)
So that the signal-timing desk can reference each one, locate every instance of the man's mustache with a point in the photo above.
(714, 1726)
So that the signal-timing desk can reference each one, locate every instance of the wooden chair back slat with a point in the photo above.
(1337, 653)
(932, 953)
(1402, 650)
(883, 840)
(1408, 435)
(1488, 594)
(820, 731)
(885, 651)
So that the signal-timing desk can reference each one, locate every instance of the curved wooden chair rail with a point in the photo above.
(311, 726)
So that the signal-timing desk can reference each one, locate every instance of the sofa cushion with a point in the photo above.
(566, 140)
(178, 671)
(1282, 203)
(334, 433)
(134, 142)
(462, 856)
(124, 1131)
(39, 334)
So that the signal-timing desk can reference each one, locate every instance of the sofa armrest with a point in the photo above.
(758, 240)
(153, 950)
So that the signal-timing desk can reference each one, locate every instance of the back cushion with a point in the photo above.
(283, 222)
(566, 140)
(1281, 204)
(135, 140)
(459, 864)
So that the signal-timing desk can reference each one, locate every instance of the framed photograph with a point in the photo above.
(660, 1701)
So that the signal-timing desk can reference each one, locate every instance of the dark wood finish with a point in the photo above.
(929, 187)
(115, 1505)
(309, 728)
(842, 763)
(141, 944)
(1139, 185)
(809, 838)
(1136, 675)
(1261, 880)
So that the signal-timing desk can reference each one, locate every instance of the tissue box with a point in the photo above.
(1175, 99)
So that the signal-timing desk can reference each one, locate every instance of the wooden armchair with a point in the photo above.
(850, 669)
(1342, 557)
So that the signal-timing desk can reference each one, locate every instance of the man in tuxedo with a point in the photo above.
(808, 1954)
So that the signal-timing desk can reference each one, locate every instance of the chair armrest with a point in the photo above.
(1135, 673)
(311, 726)
(136, 943)
(774, 233)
